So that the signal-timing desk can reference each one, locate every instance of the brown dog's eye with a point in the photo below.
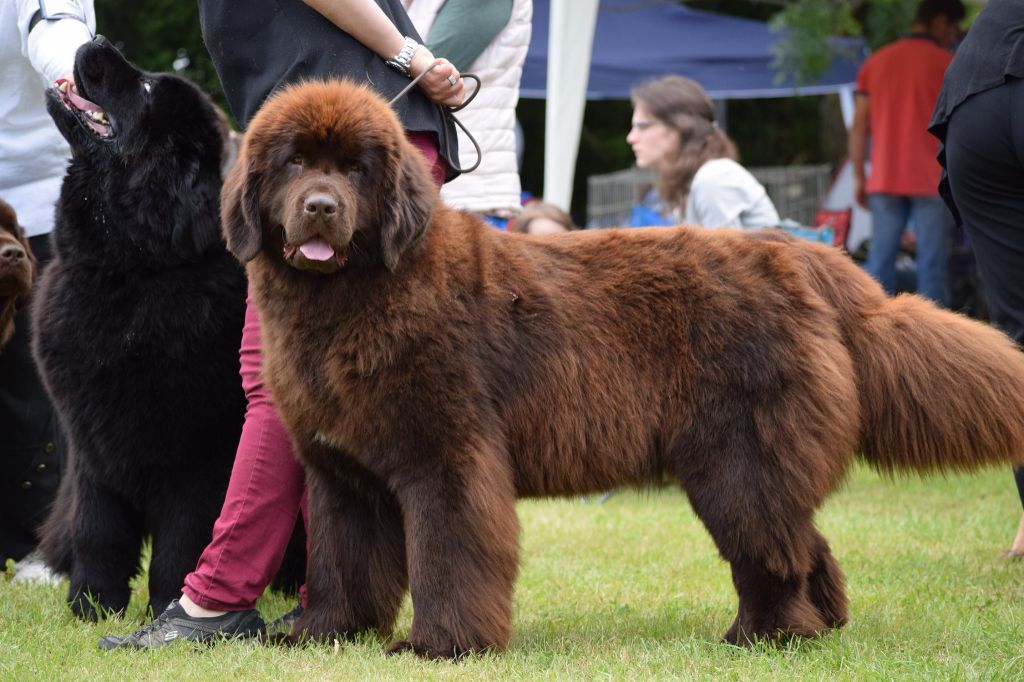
(297, 159)
(355, 167)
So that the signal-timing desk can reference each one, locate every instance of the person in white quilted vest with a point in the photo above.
(488, 38)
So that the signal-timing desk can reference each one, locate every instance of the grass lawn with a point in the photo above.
(634, 589)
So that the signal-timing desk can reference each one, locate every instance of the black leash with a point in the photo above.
(450, 111)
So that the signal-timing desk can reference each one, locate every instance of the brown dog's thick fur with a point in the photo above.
(433, 369)
(17, 270)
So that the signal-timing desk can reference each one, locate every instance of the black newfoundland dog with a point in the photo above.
(137, 323)
(432, 369)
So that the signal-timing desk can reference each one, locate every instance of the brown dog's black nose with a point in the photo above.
(11, 254)
(320, 206)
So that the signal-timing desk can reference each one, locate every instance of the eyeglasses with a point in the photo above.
(644, 125)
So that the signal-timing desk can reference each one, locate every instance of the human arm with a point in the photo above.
(464, 28)
(365, 21)
(857, 147)
(62, 26)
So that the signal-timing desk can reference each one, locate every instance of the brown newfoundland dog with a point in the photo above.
(432, 369)
(17, 270)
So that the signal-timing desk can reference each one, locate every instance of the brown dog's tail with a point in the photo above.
(938, 391)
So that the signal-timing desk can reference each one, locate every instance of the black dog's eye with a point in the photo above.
(297, 159)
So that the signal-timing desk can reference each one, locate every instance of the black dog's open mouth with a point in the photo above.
(90, 114)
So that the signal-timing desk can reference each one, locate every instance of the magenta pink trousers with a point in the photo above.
(267, 486)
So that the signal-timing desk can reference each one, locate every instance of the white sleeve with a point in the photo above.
(725, 194)
(718, 199)
(51, 44)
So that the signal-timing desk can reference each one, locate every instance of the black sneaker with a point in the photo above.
(174, 624)
(282, 627)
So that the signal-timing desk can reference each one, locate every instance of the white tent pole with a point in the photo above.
(570, 40)
(846, 105)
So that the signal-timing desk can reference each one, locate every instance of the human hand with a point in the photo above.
(68, 78)
(860, 195)
(442, 84)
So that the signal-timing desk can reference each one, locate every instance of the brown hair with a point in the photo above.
(540, 209)
(928, 10)
(682, 104)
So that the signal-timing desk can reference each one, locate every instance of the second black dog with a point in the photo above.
(137, 323)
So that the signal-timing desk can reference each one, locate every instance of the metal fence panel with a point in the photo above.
(796, 191)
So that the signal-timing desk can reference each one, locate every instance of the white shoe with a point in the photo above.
(32, 569)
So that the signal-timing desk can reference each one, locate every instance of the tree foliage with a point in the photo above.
(154, 34)
(807, 47)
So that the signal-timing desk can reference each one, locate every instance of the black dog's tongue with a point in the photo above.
(94, 115)
(79, 102)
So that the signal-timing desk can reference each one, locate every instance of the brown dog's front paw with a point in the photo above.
(400, 647)
(320, 627)
(429, 653)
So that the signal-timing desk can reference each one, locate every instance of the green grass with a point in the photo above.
(633, 589)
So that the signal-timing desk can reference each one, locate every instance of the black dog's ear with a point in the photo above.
(240, 210)
(406, 200)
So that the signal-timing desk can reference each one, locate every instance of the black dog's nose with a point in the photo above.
(11, 254)
(320, 206)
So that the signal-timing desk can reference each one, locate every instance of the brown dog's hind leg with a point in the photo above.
(356, 574)
(771, 606)
(825, 586)
(785, 577)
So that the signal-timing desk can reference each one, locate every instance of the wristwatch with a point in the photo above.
(402, 62)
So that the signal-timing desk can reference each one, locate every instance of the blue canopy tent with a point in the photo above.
(638, 39)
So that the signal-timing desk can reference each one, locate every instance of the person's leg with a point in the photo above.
(426, 142)
(985, 163)
(1017, 548)
(250, 537)
(889, 215)
(984, 152)
(262, 501)
(934, 226)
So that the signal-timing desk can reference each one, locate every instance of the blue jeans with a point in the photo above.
(933, 225)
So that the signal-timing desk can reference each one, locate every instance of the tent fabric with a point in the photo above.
(573, 23)
(639, 39)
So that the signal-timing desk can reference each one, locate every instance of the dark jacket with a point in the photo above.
(992, 52)
(260, 45)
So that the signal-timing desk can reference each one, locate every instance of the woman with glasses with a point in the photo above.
(697, 178)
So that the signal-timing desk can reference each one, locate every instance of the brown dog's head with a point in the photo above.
(17, 269)
(327, 180)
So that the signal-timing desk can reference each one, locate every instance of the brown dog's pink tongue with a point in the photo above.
(317, 249)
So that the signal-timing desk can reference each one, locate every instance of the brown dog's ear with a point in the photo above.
(406, 200)
(240, 210)
(25, 244)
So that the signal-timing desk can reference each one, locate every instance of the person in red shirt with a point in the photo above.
(897, 88)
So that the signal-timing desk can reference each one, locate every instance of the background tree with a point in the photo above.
(154, 34)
